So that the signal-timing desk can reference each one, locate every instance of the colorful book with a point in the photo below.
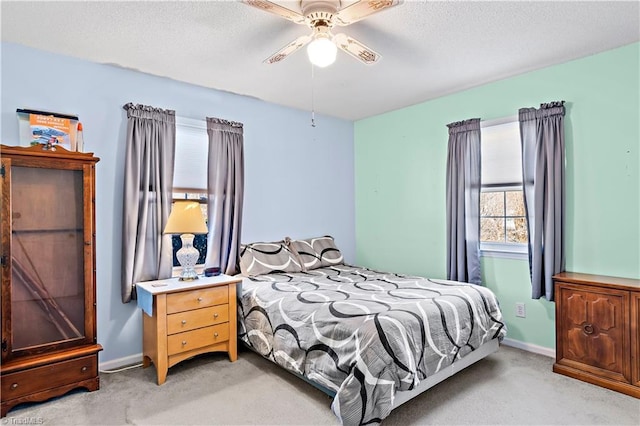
(50, 129)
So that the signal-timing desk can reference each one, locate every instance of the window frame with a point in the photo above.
(176, 271)
(188, 127)
(504, 250)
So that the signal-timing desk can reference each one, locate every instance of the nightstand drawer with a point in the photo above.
(21, 383)
(194, 339)
(190, 320)
(195, 299)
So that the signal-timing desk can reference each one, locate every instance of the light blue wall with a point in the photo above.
(287, 162)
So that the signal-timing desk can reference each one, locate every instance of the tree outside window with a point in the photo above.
(502, 217)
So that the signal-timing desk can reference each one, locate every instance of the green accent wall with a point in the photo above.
(400, 164)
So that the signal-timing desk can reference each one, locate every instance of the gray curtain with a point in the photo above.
(148, 181)
(542, 138)
(463, 201)
(225, 193)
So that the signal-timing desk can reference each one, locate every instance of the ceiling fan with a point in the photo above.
(321, 16)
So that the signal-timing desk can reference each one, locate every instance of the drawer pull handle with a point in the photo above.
(184, 342)
(184, 322)
(199, 299)
(588, 328)
(83, 369)
(215, 315)
(215, 334)
(14, 386)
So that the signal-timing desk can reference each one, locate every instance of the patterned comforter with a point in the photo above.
(365, 334)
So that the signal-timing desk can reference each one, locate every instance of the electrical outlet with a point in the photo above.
(520, 310)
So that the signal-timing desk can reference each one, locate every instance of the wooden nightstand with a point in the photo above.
(182, 319)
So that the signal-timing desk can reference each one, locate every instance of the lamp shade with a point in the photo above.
(322, 51)
(186, 218)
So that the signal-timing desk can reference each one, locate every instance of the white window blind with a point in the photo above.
(192, 148)
(500, 151)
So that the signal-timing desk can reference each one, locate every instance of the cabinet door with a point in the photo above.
(594, 330)
(635, 338)
(44, 225)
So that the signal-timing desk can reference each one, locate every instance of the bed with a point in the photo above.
(370, 339)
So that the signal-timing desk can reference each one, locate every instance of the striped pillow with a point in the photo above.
(263, 258)
(317, 252)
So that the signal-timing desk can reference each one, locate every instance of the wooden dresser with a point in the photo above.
(597, 333)
(182, 319)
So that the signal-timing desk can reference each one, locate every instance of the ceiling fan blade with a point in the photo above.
(276, 9)
(356, 49)
(361, 9)
(288, 49)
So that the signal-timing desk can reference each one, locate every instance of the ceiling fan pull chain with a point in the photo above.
(313, 112)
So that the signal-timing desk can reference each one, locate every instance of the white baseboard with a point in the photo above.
(137, 358)
(529, 347)
(126, 361)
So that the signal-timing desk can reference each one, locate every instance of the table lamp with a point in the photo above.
(186, 219)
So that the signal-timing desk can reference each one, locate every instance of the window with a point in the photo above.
(192, 149)
(190, 175)
(503, 224)
(502, 217)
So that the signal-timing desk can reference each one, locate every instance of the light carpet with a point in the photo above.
(510, 387)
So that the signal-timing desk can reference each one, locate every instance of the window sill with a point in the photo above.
(504, 251)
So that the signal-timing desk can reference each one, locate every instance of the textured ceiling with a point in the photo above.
(429, 49)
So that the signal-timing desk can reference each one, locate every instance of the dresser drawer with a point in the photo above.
(183, 342)
(194, 299)
(198, 318)
(37, 379)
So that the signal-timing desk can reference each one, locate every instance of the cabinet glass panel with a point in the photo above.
(47, 282)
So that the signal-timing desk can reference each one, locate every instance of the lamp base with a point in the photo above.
(187, 257)
(188, 277)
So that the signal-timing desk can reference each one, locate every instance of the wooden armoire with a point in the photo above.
(49, 344)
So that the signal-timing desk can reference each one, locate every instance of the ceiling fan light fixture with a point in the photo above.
(322, 51)
(321, 16)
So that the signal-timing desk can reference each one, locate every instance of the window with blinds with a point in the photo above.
(192, 147)
(190, 175)
(503, 225)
